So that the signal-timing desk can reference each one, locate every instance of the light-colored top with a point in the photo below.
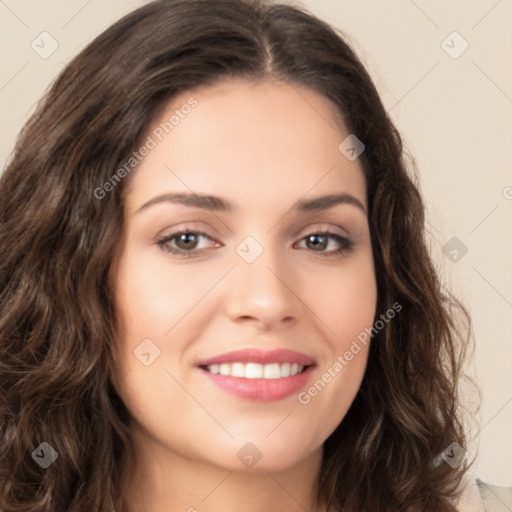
(479, 496)
(495, 497)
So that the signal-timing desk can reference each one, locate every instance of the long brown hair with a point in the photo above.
(58, 240)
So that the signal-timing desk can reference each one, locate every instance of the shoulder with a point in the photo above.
(470, 500)
(479, 496)
(494, 497)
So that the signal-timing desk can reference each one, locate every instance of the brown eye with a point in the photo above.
(319, 241)
(182, 243)
(186, 240)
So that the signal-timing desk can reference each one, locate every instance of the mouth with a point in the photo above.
(257, 375)
(256, 370)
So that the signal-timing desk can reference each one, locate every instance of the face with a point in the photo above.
(237, 310)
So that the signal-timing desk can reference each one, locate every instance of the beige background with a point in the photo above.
(454, 113)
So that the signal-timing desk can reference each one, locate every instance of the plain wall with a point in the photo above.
(454, 112)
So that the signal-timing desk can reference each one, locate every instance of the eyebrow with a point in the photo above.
(215, 203)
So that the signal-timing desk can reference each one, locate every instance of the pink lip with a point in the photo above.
(262, 390)
(260, 357)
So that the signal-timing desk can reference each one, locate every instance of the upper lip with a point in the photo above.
(260, 356)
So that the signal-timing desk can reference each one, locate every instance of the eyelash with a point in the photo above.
(346, 245)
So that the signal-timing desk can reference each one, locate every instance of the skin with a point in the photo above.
(262, 146)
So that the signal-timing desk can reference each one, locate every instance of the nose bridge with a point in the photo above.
(262, 283)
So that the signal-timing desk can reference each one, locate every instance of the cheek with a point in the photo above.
(345, 300)
(150, 301)
(154, 296)
(160, 308)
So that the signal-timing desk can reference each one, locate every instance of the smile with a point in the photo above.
(259, 375)
(255, 370)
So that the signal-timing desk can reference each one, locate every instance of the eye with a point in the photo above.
(319, 241)
(185, 242)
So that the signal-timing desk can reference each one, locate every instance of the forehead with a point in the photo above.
(260, 141)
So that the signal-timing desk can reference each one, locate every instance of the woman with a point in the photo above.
(215, 286)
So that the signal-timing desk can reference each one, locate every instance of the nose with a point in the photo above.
(264, 292)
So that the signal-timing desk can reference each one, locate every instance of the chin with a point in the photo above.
(265, 455)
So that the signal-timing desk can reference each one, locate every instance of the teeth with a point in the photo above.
(255, 370)
(214, 368)
(224, 369)
(237, 370)
(272, 371)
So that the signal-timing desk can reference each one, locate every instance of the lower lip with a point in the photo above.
(261, 390)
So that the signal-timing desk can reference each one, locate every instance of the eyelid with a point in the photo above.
(337, 230)
(181, 231)
(318, 228)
